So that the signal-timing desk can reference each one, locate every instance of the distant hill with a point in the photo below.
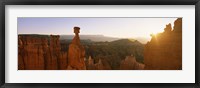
(126, 42)
(142, 39)
(101, 38)
(35, 35)
(95, 38)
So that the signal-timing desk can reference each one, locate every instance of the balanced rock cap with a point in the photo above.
(76, 29)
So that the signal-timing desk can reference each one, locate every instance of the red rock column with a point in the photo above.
(21, 64)
(76, 53)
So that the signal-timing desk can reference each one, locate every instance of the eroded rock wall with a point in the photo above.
(36, 53)
(164, 51)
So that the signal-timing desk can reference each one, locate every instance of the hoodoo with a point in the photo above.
(40, 53)
(76, 53)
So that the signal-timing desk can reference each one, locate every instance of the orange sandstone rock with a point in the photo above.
(35, 53)
(76, 53)
(164, 51)
(104, 65)
(90, 64)
(30, 53)
(130, 63)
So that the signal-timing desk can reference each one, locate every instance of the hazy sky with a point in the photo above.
(112, 27)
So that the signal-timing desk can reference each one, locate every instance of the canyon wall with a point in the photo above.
(40, 53)
(164, 50)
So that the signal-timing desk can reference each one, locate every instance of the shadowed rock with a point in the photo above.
(100, 65)
(130, 63)
(90, 64)
(164, 51)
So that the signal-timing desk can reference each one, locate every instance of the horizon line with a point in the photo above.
(88, 34)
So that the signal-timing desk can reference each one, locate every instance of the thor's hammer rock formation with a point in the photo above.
(76, 53)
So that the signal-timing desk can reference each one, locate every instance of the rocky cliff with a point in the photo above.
(164, 51)
(40, 53)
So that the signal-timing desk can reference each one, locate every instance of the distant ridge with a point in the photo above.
(95, 38)
(126, 42)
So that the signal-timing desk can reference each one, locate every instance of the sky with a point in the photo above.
(111, 27)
